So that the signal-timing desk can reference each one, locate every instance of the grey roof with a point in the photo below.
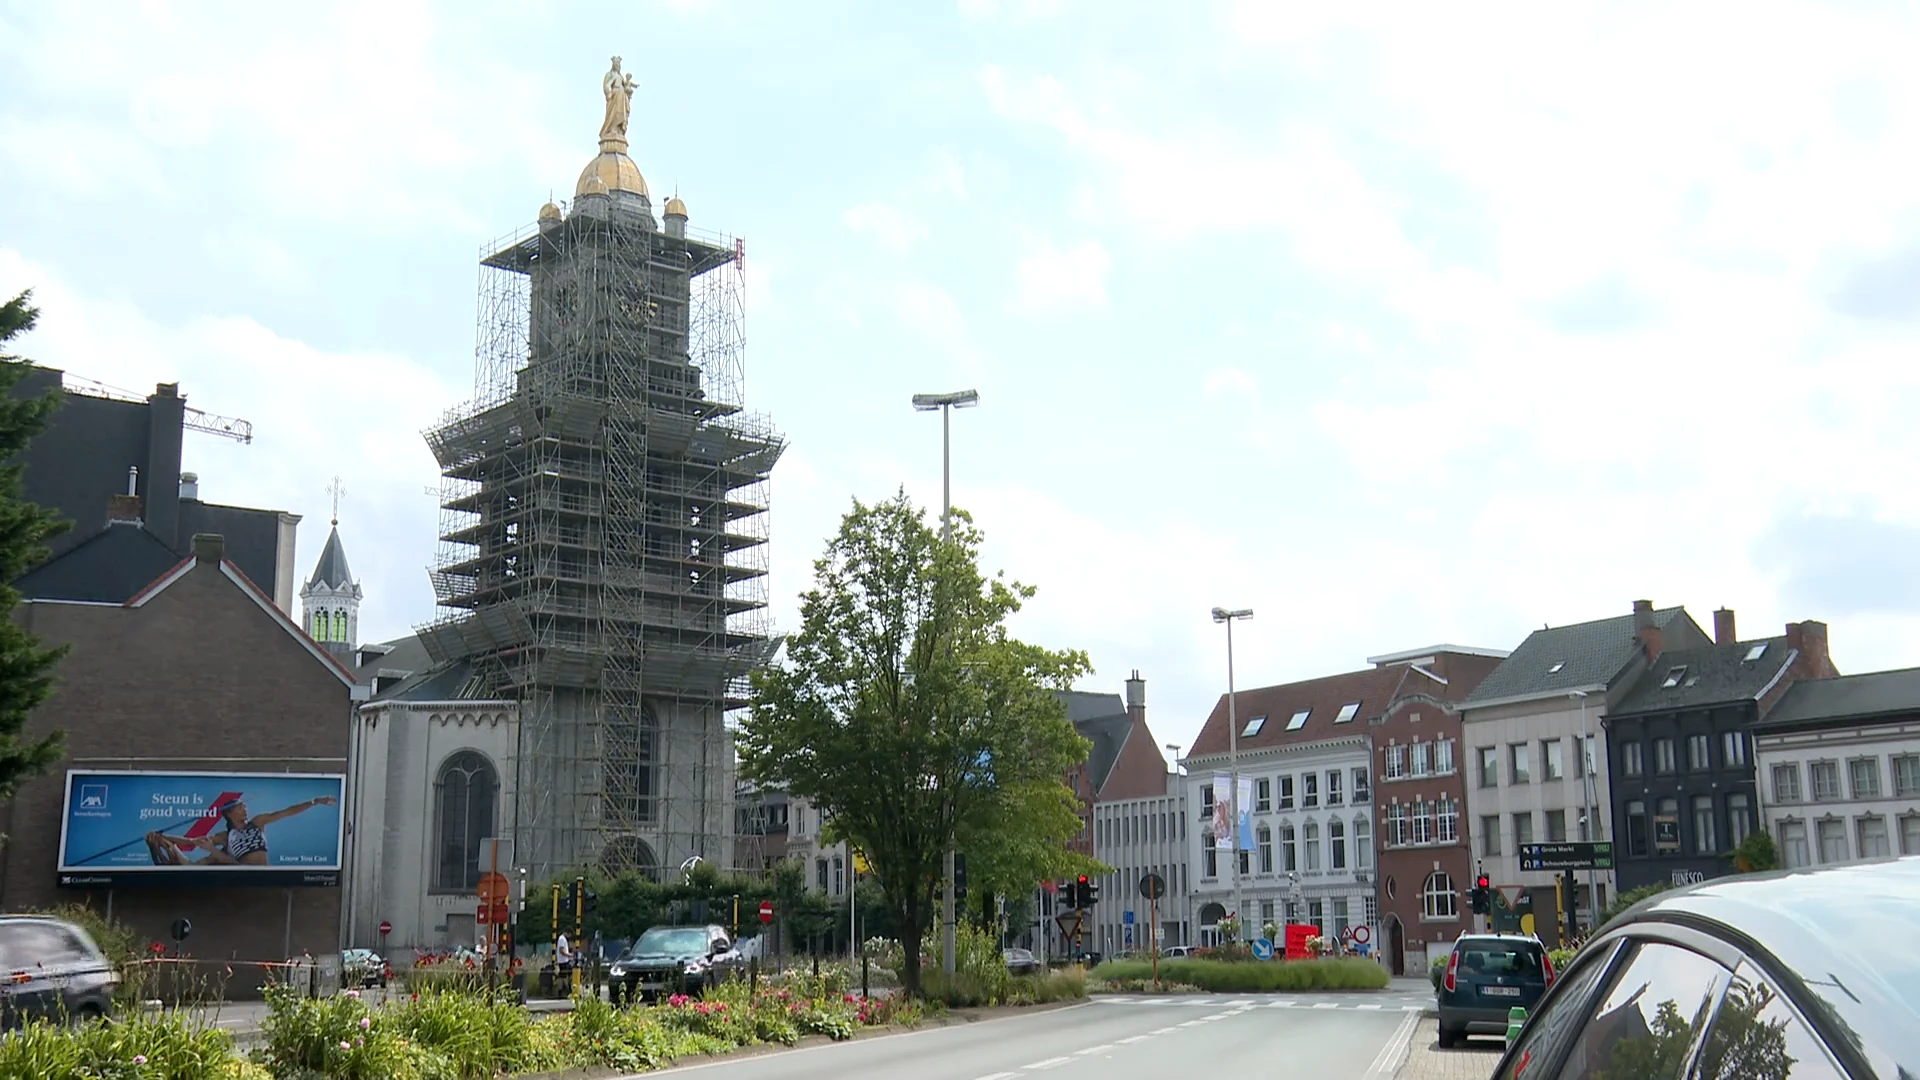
(1848, 697)
(1713, 675)
(332, 570)
(1588, 654)
(1102, 720)
(1084, 705)
(110, 567)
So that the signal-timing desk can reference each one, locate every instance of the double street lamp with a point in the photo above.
(945, 404)
(1222, 615)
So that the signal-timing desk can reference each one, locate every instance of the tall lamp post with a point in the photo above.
(1592, 811)
(1222, 615)
(945, 404)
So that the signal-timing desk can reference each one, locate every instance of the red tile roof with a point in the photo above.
(1372, 689)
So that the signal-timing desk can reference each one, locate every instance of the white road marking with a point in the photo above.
(1388, 1060)
(1163, 1031)
(1368, 1007)
(1131, 1039)
(1215, 1016)
(996, 1076)
(1327, 1005)
(1193, 1023)
(1101, 1049)
(1242, 1001)
(1047, 1064)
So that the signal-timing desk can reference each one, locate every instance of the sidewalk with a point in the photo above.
(1426, 1061)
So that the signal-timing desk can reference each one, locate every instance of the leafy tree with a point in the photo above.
(1756, 853)
(906, 712)
(26, 669)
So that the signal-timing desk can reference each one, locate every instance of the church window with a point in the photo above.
(465, 797)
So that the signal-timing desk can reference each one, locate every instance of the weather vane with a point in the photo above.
(336, 490)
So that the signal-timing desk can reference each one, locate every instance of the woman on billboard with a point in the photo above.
(244, 843)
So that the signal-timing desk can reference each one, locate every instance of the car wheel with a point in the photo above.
(1449, 1038)
(89, 1012)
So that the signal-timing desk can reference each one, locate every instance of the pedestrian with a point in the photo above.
(563, 963)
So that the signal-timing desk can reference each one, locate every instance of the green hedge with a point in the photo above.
(1253, 977)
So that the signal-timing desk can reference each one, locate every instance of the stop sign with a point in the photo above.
(385, 928)
(766, 911)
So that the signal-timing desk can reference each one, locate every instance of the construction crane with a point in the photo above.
(196, 419)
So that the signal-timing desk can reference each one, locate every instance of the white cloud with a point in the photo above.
(1051, 278)
(889, 226)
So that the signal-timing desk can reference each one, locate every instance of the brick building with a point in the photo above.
(200, 671)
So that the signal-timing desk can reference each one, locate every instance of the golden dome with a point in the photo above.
(549, 212)
(611, 171)
(676, 207)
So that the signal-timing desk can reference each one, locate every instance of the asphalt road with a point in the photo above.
(1111, 1040)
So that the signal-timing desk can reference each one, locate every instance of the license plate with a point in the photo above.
(1500, 991)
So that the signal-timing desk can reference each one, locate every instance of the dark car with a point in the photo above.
(51, 969)
(674, 960)
(1795, 975)
(1487, 975)
(1021, 961)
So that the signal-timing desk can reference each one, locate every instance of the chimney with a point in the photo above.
(1723, 632)
(1642, 615)
(1136, 697)
(123, 509)
(189, 485)
(1644, 632)
(1810, 638)
(209, 547)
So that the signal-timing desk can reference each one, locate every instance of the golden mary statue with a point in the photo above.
(618, 86)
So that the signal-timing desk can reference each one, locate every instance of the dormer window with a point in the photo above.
(1253, 726)
(1674, 675)
(1347, 713)
(1299, 720)
(1557, 665)
(1756, 652)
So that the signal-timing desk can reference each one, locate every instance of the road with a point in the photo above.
(1327, 1038)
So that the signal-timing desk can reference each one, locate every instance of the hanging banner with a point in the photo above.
(1246, 813)
(1222, 810)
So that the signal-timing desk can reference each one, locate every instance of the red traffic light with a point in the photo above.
(1083, 879)
(1485, 881)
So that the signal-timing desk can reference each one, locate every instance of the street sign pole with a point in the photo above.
(1153, 934)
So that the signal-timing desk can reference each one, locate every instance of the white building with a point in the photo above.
(1305, 755)
(1137, 837)
(1838, 761)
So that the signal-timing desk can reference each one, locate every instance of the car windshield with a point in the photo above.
(1499, 958)
(678, 942)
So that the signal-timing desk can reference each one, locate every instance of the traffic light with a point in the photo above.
(959, 877)
(1082, 889)
(1093, 893)
(589, 901)
(1482, 888)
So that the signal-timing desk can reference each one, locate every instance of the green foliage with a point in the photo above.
(1560, 958)
(1756, 853)
(906, 712)
(1223, 977)
(1631, 897)
(165, 1045)
(1437, 971)
(26, 669)
(120, 945)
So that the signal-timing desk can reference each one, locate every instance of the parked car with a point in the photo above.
(1485, 977)
(1174, 952)
(52, 971)
(1794, 975)
(674, 960)
(363, 968)
(1021, 961)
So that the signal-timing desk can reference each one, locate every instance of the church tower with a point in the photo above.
(330, 600)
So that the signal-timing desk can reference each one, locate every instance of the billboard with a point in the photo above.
(124, 828)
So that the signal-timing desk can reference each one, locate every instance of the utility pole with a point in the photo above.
(1592, 810)
(1222, 615)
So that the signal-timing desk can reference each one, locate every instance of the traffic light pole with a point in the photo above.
(579, 925)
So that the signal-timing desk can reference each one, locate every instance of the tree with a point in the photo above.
(1756, 853)
(26, 669)
(906, 712)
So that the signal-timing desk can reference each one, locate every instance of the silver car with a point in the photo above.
(51, 969)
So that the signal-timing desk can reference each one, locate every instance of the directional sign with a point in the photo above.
(1574, 855)
(1262, 949)
(1127, 917)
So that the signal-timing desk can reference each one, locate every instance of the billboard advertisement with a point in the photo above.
(124, 828)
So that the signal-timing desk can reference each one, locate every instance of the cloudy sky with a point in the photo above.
(1436, 324)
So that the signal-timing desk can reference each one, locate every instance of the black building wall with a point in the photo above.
(1637, 799)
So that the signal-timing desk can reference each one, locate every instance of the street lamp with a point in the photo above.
(1174, 749)
(1222, 615)
(1593, 812)
(945, 404)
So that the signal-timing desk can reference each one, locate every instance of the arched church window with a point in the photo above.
(465, 799)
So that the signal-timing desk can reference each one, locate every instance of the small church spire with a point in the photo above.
(331, 597)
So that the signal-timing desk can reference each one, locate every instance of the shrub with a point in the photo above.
(1219, 976)
(1560, 958)
(1437, 970)
(335, 1037)
(432, 976)
(160, 1046)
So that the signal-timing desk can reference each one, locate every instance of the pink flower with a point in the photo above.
(345, 1045)
(366, 1022)
(139, 1059)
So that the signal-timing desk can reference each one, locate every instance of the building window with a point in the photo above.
(465, 794)
(1397, 825)
(1336, 845)
(1263, 839)
(1316, 914)
(1422, 754)
(1873, 837)
(1333, 787)
(1423, 823)
(1663, 759)
(1361, 793)
(1209, 856)
(1793, 845)
(1552, 765)
(1266, 912)
(1522, 829)
(1866, 777)
(1906, 776)
(1833, 841)
(1489, 834)
(1519, 764)
(1396, 762)
(1584, 826)
(1286, 793)
(1263, 796)
(1438, 899)
(1449, 820)
(839, 875)
(1373, 910)
(1699, 750)
(1910, 835)
(1489, 766)
(1556, 826)
(1826, 780)
(1245, 859)
(1703, 830)
(1309, 791)
(1311, 841)
(1786, 783)
(1206, 802)
(1362, 843)
(820, 873)
(1633, 759)
(1443, 757)
(1739, 818)
(1733, 747)
(1289, 859)
(1583, 765)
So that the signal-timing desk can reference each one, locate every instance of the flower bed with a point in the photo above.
(443, 1035)
(1224, 976)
